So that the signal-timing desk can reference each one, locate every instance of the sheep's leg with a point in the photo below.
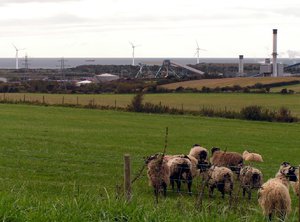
(164, 185)
(249, 194)
(244, 192)
(211, 191)
(270, 217)
(172, 183)
(189, 183)
(178, 184)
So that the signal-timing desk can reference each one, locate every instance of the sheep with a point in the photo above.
(254, 157)
(295, 185)
(232, 160)
(250, 178)
(158, 173)
(220, 178)
(180, 170)
(200, 153)
(273, 196)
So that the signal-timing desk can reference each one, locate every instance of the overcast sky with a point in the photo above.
(162, 28)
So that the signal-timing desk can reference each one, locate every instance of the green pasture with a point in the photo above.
(66, 164)
(188, 101)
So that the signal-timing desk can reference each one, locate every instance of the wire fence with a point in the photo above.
(239, 194)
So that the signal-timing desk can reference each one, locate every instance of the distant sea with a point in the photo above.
(54, 63)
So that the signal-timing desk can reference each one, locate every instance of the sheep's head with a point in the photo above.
(214, 149)
(202, 155)
(203, 165)
(288, 171)
(149, 158)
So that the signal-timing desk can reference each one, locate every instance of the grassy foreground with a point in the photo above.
(63, 164)
(188, 101)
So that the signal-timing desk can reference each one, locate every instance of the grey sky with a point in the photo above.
(169, 28)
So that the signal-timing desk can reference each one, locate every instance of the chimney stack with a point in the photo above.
(274, 54)
(241, 65)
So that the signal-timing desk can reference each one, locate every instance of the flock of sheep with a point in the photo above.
(220, 172)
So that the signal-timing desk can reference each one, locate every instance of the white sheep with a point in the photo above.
(200, 153)
(253, 157)
(180, 170)
(273, 196)
(250, 178)
(220, 178)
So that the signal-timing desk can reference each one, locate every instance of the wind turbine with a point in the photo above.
(17, 56)
(133, 47)
(198, 52)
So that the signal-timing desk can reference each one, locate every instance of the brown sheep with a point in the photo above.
(232, 160)
(273, 196)
(253, 157)
(158, 173)
(250, 178)
(220, 178)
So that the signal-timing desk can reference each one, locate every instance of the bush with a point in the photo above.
(284, 115)
(252, 112)
(136, 104)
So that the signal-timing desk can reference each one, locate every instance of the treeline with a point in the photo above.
(131, 86)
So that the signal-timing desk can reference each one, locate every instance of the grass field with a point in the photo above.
(243, 82)
(63, 164)
(189, 101)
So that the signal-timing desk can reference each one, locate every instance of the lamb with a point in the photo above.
(158, 173)
(250, 178)
(200, 153)
(232, 160)
(220, 178)
(180, 170)
(254, 157)
(273, 196)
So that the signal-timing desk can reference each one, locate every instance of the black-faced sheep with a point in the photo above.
(250, 178)
(273, 196)
(220, 178)
(253, 157)
(232, 160)
(200, 153)
(158, 173)
(180, 171)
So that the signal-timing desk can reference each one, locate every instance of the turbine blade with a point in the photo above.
(197, 44)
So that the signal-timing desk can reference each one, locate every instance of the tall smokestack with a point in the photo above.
(275, 74)
(241, 65)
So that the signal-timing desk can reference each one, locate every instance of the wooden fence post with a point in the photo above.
(115, 104)
(77, 101)
(63, 100)
(127, 180)
(43, 99)
(24, 98)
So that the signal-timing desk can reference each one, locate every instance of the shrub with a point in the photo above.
(136, 104)
(252, 112)
(284, 115)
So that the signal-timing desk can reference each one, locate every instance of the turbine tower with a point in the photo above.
(17, 56)
(198, 52)
(133, 47)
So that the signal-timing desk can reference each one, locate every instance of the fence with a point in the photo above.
(200, 190)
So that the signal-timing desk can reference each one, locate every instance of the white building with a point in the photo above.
(106, 77)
